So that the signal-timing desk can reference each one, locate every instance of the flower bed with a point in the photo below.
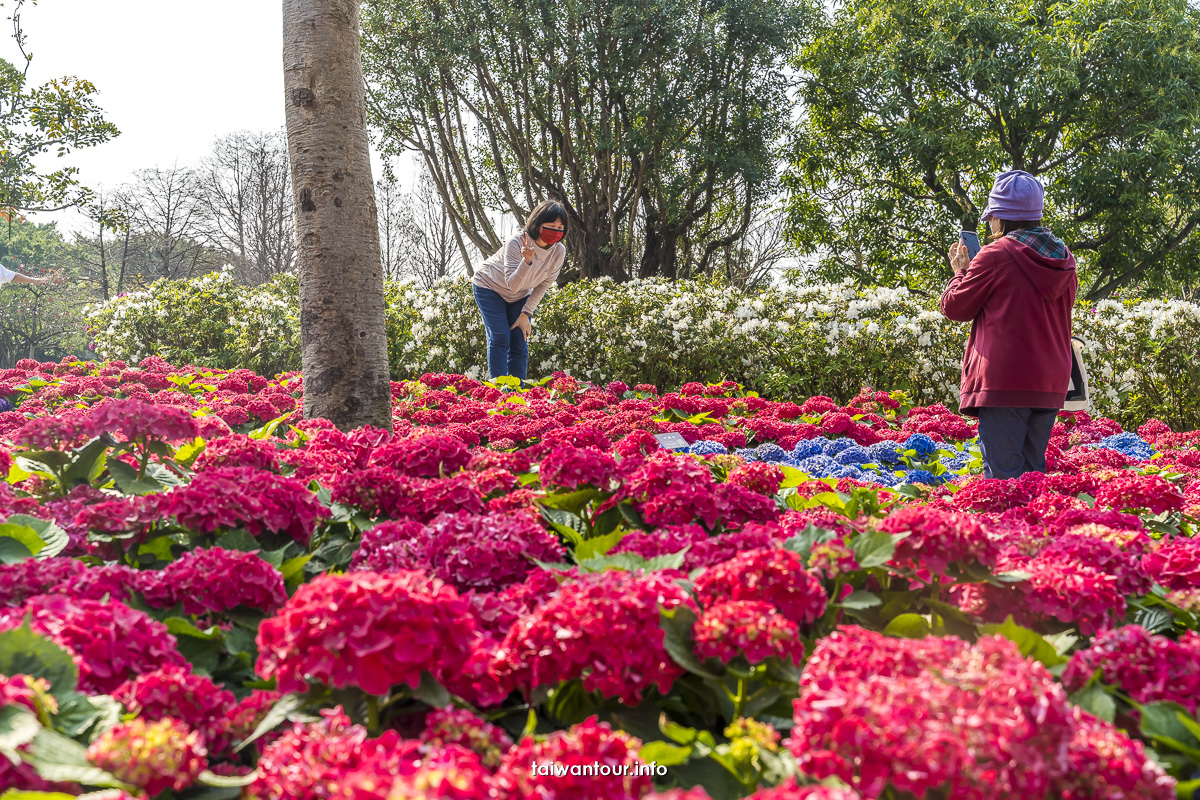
(519, 594)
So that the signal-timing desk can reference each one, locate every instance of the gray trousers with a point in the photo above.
(1013, 441)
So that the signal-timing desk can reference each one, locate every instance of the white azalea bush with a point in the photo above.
(794, 341)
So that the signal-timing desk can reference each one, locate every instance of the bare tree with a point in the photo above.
(246, 185)
(343, 338)
(97, 253)
(166, 218)
(434, 249)
(395, 214)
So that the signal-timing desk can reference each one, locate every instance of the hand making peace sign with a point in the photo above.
(526, 248)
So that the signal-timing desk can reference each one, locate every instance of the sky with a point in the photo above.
(171, 75)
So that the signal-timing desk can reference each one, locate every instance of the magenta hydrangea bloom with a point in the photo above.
(1130, 490)
(587, 743)
(1174, 564)
(243, 497)
(772, 575)
(572, 467)
(603, 627)
(1147, 667)
(431, 455)
(180, 694)
(1106, 764)
(154, 756)
(238, 450)
(458, 726)
(25, 579)
(749, 627)
(367, 630)
(214, 580)
(109, 642)
(136, 419)
(936, 539)
(671, 490)
(971, 722)
(758, 476)
(790, 790)
(485, 553)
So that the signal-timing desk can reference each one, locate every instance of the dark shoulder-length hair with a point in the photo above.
(1007, 226)
(547, 211)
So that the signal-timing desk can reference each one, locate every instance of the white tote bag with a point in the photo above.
(1078, 397)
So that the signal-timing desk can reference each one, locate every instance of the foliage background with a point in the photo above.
(788, 342)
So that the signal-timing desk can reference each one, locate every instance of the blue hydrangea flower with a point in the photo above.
(818, 466)
(1128, 443)
(706, 448)
(882, 477)
(5, 405)
(853, 455)
(807, 448)
(834, 446)
(849, 471)
(770, 452)
(924, 446)
(957, 462)
(747, 453)
(921, 476)
(887, 453)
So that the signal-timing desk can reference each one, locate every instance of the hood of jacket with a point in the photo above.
(1050, 276)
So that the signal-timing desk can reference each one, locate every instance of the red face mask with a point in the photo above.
(550, 236)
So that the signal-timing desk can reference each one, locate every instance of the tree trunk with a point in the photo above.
(343, 341)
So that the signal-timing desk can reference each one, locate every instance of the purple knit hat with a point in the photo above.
(1016, 195)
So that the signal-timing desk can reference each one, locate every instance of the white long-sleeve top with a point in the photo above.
(507, 274)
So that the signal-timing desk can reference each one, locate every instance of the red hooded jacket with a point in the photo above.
(1018, 302)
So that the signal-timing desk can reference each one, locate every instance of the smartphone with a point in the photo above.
(971, 240)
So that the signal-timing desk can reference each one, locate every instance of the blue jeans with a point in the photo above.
(1012, 441)
(508, 352)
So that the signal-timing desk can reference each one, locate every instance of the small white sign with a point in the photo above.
(671, 441)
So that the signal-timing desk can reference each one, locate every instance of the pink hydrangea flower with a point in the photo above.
(572, 467)
(367, 630)
(238, 450)
(424, 456)
(214, 580)
(180, 694)
(1175, 564)
(603, 627)
(1131, 490)
(109, 642)
(587, 743)
(243, 497)
(461, 727)
(758, 476)
(772, 575)
(1149, 668)
(749, 627)
(154, 756)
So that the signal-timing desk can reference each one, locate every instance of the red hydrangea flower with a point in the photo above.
(458, 726)
(469, 551)
(425, 456)
(1105, 764)
(180, 694)
(25, 579)
(366, 630)
(737, 505)
(238, 450)
(603, 627)
(1131, 490)
(671, 490)
(67, 428)
(135, 419)
(109, 642)
(1149, 668)
(750, 627)
(214, 580)
(718, 549)
(495, 612)
(790, 790)
(936, 539)
(154, 756)
(317, 760)
(931, 715)
(245, 717)
(772, 575)
(1175, 563)
(661, 541)
(993, 495)
(590, 742)
(573, 467)
(758, 476)
(243, 497)
(18, 690)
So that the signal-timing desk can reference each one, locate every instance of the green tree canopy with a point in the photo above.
(912, 108)
(657, 122)
(57, 117)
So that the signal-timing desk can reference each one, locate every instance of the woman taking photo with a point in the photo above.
(509, 285)
(1017, 294)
